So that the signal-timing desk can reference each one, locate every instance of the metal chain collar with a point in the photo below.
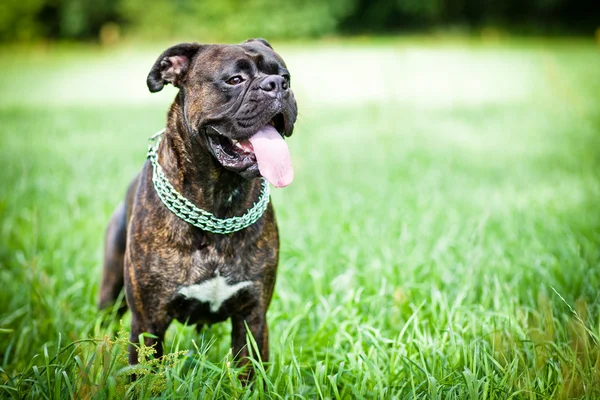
(191, 214)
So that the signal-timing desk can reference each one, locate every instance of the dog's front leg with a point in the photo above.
(256, 321)
(146, 316)
(138, 326)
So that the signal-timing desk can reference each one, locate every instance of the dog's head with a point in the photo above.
(237, 101)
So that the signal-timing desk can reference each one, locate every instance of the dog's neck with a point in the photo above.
(197, 175)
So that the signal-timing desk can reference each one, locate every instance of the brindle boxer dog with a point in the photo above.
(224, 131)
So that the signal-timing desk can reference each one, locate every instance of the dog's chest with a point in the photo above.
(213, 282)
(213, 291)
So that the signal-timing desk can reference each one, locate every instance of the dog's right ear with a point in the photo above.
(171, 66)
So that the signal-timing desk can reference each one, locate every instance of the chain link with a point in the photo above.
(191, 214)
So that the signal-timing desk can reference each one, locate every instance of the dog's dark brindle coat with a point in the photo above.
(150, 250)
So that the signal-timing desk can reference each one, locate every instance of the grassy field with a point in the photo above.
(441, 239)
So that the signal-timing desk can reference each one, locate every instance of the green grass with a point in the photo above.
(441, 239)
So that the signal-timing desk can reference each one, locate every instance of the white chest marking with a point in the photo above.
(214, 291)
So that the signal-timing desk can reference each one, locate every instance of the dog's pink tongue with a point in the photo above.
(273, 156)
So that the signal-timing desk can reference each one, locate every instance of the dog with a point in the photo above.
(196, 237)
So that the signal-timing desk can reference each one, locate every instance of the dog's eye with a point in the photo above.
(236, 80)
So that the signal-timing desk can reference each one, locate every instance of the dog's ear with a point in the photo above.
(171, 66)
(260, 40)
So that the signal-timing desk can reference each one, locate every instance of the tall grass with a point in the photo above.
(441, 239)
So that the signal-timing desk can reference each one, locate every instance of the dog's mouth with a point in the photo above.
(262, 153)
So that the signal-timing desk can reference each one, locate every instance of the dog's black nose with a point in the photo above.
(273, 84)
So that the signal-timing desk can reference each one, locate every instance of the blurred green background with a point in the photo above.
(108, 20)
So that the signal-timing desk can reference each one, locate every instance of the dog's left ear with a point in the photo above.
(259, 40)
(171, 66)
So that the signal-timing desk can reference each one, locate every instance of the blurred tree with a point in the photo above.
(19, 19)
(84, 18)
(78, 19)
(539, 16)
(237, 19)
